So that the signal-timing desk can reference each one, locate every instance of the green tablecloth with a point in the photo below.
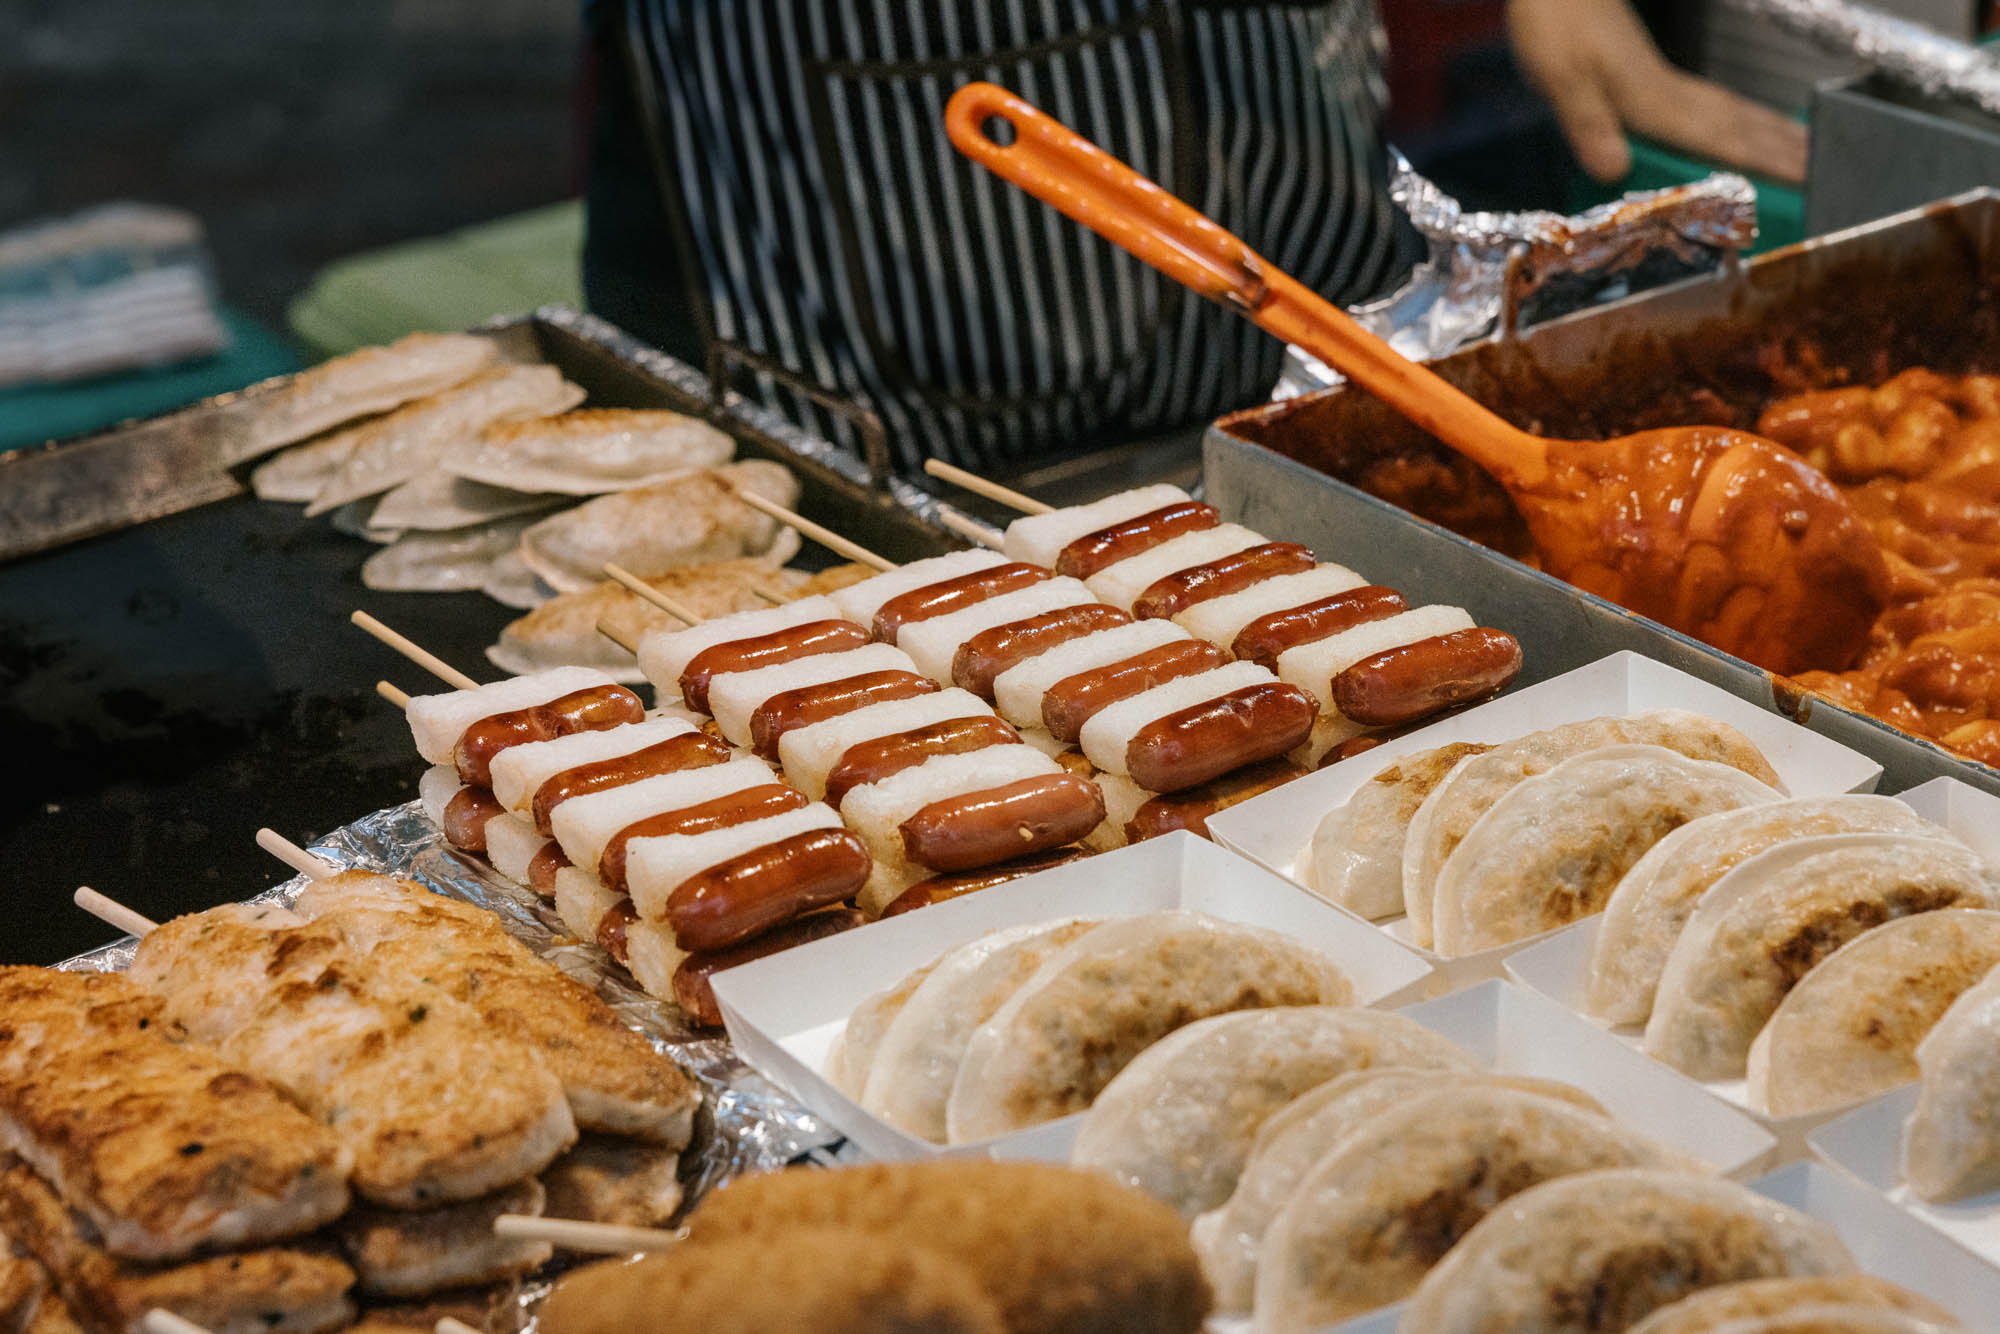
(37, 413)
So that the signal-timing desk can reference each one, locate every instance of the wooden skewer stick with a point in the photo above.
(423, 657)
(771, 594)
(969, 528)
(158, 1321)
(446, 1325)
(576, 1235)
(294, 856)
(979, 486)
(399, 698)
(109, 910)
(826, 537)
(618, 637)
(653, 595)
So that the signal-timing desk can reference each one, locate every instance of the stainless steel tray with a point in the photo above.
(1917, 288)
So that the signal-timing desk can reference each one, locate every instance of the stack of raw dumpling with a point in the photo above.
(457, 461)
(1482, 846)
(1806, 946)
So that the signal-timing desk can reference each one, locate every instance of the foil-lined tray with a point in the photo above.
(1927, 62)
(746, 1125)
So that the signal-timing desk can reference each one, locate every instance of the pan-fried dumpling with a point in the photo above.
(1835, 1318)
(653, 529)
(1768, 922)
(511, 583)
(442, 562)
(1599, 1251)
(391, 450)
(853, 1053)
(1654, 900)
(1849, 1030)
(1357, 851)
(1951, 1141)
(1296, 1136)
(589, 453)
(916, 1061)
(1178, 1121)
(435, 501)
(369, 380)
(1712, 1309)
(1106, 997)
(1549, 851)
(1471, 789)
(301, 472)
(1391, 1198)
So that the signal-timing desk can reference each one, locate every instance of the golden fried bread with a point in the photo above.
(273, 1290)
(163, 1146)
(609, 1180)
(416, 1252)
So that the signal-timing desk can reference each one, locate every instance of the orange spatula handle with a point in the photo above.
(1067, 171)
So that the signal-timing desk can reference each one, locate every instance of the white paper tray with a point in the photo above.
(1276, 828)
(1867, 1143)
(784, 1012)
(1557, 965)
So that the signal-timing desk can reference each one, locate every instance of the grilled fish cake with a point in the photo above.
(616, 1082)
(163, 1146)
(623, 1181)
(273, 1290)
(416, 1252)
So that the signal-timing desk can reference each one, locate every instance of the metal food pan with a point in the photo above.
(1919, 288)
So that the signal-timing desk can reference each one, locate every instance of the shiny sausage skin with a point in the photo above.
(1400, 685)
(692, 991)
(874, 760)
(1190, 810)
(1107, 546)
(1000, 823)
(780, 646)
(689, 750)
(1174, 593)
(765, 886)
(752, 803)
(1190, 747)
(950, 595)
(465, 817)
(588, 710)
(611, 930)
(990, 652)
(1265, 638)
(1070, 702)
(939, 888)
(815, 704)
(542, 868)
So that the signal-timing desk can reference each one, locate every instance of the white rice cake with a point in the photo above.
(1111, 729)
(656, 867)
(810, 753)
(1220, 620)
(438, 721)
(735, 696)
(652, 955)
(1018, 691)
(1312, 667)
(581, 902)
(1040, 538)
(859, 602)
(520, 771)
(665, 654)
(934, 643)
(436, 789)
(1122, 583)
(511, 843)
(876, 811)
(583, 825)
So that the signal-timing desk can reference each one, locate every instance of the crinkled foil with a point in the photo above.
(747, 1124)
(1488, 270)
(1913, 55)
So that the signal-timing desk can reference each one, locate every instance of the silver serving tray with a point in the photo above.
(1909, 289)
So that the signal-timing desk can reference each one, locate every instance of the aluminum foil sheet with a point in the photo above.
(1913, 55)
(1502, 270)
(747, 1124)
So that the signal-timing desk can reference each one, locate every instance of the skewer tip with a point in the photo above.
(292, 855)
(111, 912)
(158, 1321)
(577, 1235)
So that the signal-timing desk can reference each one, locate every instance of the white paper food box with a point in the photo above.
(1868, 1144)
(783, 1013)
(1276, 828)
(1558, 965)
(1884, 1242)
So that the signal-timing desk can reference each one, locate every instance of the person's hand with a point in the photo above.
(1597, 65)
